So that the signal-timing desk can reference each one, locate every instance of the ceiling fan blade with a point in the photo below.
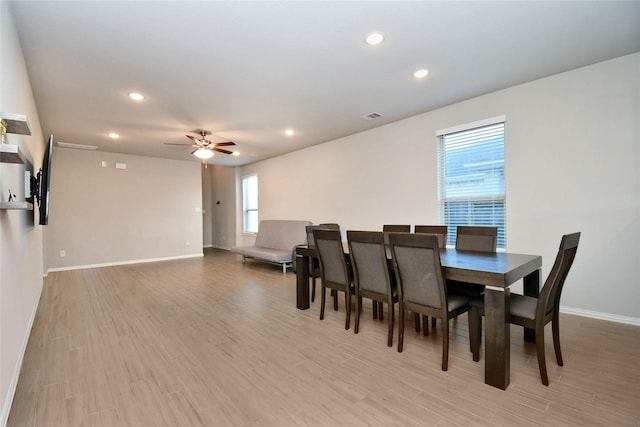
(222, 144)
(193, 138)
(220, 150)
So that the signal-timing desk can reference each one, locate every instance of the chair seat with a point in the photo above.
(456, 301)
(523, 306)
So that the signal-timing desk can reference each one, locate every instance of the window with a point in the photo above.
(471, 177)
(250, 203)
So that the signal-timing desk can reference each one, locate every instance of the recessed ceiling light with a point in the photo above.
(374, 39)
(114, 135)
(421, 74)
(289, 132)
(136, 96)
(236, 153)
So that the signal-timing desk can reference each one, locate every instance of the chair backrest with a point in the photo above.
(396, 228)
(476, 238)
(331, 225)
(416, 262)
(438, 230)
(369, 261)
(549, 299)
(310, 228)
(333, 267)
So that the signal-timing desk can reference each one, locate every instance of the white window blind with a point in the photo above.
(471, 178)
(250, 203)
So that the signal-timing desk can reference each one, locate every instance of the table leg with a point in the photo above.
(531, 284)
(497, 337)
(302, 282)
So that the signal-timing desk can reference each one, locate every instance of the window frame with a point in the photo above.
(247, 210)
(494, 201)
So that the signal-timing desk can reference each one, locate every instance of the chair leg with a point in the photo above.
(433, 322)
(400, 327)
(475, 332)
(322, 300)
(358, 309)
(391, 316)
(445, 344)
(313, 289)
(542, 365)
(380, 310)
(425, 325)
(334, 294)
(555, 326)
(375, 310)
(416, 320)
(347, 302)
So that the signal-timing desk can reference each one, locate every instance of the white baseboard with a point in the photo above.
(11, 392)
(135, 261)
(226, 248)
(601, 316)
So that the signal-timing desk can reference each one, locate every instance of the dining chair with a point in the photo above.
(335, 273)
(421, 286)
(314, 267)
(371, 274)
(438, 230)
(441, 232)
(534, 313)
(477, 239)
(396, 228)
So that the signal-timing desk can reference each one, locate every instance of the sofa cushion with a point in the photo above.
(281, 234)
(268, 254)
(276, 240)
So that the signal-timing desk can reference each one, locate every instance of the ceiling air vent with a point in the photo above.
(372, 116)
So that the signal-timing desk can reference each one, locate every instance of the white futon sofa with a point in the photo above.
(275, 242)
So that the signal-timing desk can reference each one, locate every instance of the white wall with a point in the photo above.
(572, 160)
(103, 215)
(21, 262)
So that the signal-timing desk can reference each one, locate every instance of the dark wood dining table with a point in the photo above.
(495, 271)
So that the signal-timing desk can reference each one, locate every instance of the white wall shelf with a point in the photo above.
(16, 123)
(16, 205)
(11, 154)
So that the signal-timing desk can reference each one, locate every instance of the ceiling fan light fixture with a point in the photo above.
(203, 153)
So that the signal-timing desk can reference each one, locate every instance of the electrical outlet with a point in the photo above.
(63, 253)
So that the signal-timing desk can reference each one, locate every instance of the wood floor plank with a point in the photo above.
(214, 342)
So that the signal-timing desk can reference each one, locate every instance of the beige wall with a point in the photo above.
(102, 215)
(21, 262)
(572, 164)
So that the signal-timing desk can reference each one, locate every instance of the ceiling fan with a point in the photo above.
(203, 147)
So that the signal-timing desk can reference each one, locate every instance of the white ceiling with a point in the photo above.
(248, 70)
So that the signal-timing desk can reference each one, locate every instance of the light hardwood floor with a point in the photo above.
(213, 342)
